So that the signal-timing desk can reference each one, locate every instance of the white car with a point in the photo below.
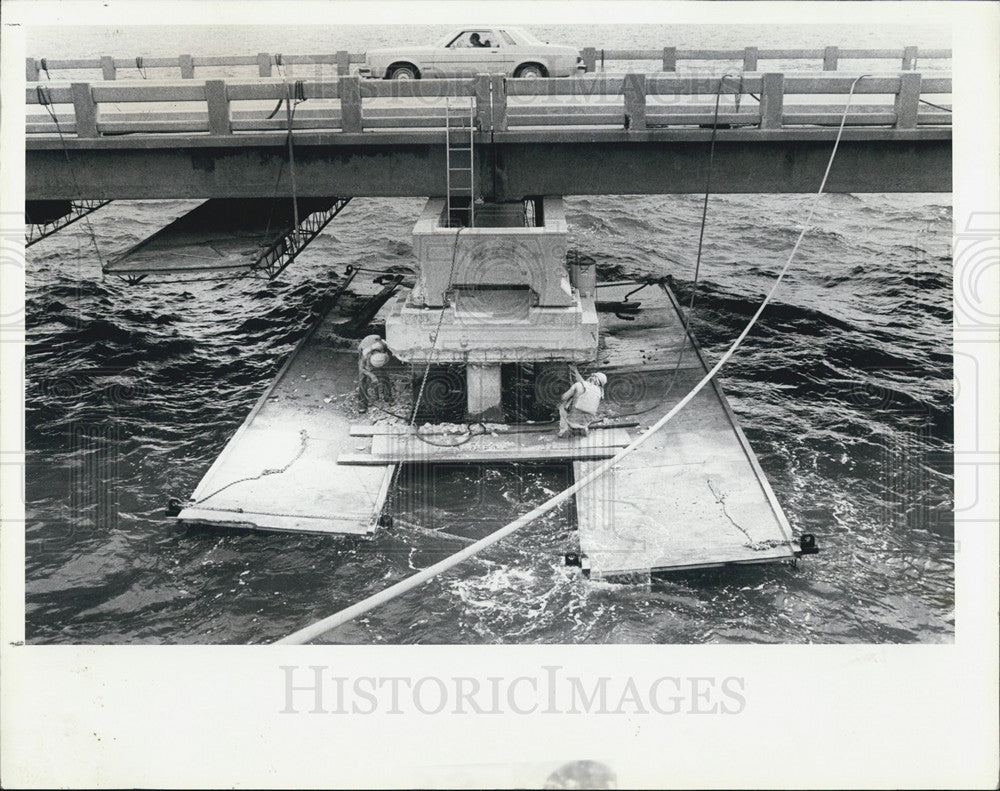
(474, 50)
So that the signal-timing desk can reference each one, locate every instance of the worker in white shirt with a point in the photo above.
(578, 406)
(373, 354)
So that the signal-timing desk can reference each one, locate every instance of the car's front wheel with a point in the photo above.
(530, 70)
(403, 71)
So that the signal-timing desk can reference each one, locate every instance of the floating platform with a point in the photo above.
(693, 495)
(280, 471)
(223, 235)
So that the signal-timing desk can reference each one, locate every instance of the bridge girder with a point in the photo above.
(510, 165)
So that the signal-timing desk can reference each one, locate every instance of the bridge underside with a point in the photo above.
(512, 166)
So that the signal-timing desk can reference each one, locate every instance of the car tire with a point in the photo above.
(403, 71)
(530, 70)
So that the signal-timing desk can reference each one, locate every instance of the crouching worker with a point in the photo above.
(579, 405)
(373, 354)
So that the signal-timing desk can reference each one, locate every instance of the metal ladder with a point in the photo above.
(459, 159)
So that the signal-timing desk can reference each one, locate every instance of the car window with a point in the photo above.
(487, 40)
(507, 38)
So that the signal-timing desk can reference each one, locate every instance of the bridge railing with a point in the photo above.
(634, 102)
(595, 58)
(828, 57)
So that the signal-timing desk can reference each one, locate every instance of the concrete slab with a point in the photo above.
(280, 471)
(217, 235)
(693, 496)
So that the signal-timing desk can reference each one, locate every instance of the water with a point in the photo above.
(844, 390)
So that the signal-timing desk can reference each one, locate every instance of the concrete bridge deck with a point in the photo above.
(605, 134)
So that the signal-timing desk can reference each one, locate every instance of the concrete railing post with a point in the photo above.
(263, 64)
(108, 70)
(187, 67)
(670, 59)
(772, 99)
(498, 83)
(909, 58)
(484, 113)
(343, 63)
(635, 101)
(31, 70)
(589, 55)
(218, 107)
(85, 109)
(830, 57)
(350, 104)
(750, 58)
(908, 101)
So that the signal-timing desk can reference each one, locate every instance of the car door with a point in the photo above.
(460, 58)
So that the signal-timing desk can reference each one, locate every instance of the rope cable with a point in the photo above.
(359, 608)
(45, 99)
(701, 240)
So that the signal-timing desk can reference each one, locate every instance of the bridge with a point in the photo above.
(599, 133)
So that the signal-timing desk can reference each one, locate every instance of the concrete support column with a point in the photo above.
(483, 391)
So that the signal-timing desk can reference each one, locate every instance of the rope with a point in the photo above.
(303, 437)
(290, 119)
(43, 64)
(139, 68)
(701, 238)
(326, 624)
(45, 100)
(936, 106)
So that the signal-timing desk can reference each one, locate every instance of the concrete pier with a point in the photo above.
(483, 392)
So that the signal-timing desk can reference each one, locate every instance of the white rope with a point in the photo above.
(326, 624)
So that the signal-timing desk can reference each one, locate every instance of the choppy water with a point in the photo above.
(844, 390)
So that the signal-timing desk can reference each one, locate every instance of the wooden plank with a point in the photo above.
(85, 109)
(72, 63)
(218, 107)
(750, 59)
(772, 98)
(226, 60)
(635, 102)
(52, 94)
(186, 63)
(498, 107)
(264, 64)
(585, 86)
(343, 60)
(669, 59)
(350, 104)
(123, 93)
(398, 89)
(487, 449)
(908, 101)
(108, 70)
(275, 89)
(670, 85)
(400, 429)
(484, 103)
(830, 59)
(31, 70)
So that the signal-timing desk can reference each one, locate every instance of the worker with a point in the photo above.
(578, 405)
(373, 354)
